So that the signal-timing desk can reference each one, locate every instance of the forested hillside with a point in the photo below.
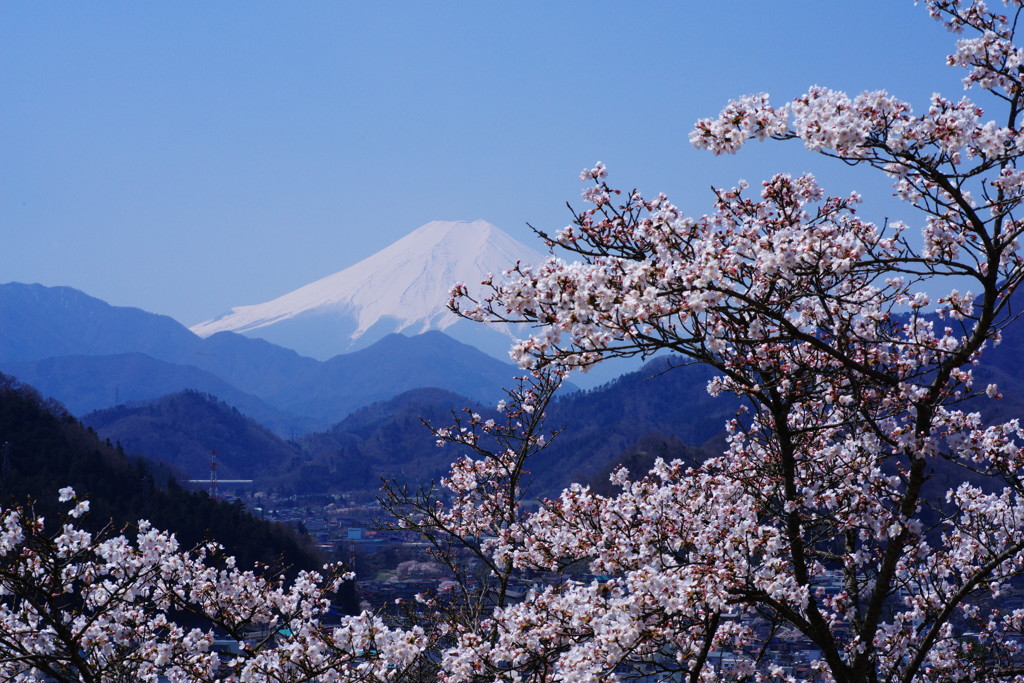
(44, 448)
(181, 429)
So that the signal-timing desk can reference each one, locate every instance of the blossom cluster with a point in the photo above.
(823, 521)
(81, 606)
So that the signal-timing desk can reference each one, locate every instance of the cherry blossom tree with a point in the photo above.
(477, 508)
(817, 545)
(77, 606)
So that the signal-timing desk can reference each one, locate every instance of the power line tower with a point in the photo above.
(213, 474)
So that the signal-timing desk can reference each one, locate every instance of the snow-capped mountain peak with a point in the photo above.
(402, 288)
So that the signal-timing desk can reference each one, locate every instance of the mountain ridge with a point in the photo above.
(89, 354)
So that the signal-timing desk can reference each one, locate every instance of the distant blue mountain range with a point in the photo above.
(91, 355)
(177, 396)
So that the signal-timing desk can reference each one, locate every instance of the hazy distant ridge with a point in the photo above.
(92, 355)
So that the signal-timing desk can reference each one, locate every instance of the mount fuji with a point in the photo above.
(402, 288)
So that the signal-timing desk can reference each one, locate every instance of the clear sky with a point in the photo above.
(186, 157)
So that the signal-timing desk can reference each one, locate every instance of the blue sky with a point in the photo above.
(188, 157)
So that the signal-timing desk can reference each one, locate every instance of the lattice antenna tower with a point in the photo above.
(213, 474)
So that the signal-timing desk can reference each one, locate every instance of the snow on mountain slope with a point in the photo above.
(402, 288)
